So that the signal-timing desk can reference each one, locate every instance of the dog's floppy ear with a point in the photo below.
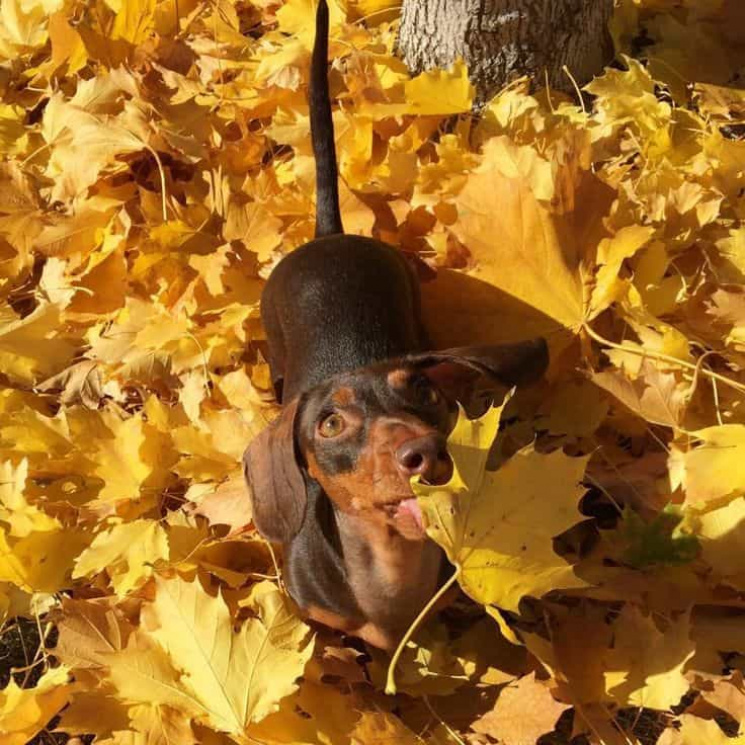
(457, 371)
(275, 479)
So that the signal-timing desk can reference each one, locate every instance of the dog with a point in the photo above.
(366, 407)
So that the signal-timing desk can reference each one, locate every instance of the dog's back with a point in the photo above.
(339, 302)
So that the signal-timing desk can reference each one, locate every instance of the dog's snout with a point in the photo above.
(425, 456)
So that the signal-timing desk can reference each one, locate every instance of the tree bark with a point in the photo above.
(504, 39)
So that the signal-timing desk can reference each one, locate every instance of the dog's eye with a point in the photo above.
(433, 395)
(332, 425)
(425, 391)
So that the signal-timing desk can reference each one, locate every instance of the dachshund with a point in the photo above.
(366, 406)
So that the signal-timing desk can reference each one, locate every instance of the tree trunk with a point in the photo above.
(504, 39)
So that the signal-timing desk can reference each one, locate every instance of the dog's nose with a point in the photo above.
(426, 456)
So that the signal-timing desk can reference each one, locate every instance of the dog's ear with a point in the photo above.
(275, 479)
(457, 372)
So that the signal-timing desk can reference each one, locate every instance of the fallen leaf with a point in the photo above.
(224, 504)
(721, 533)
(694, 731)
(656, 396)
(129, 552)
(128, 454)
(23, 517)
(238, 677)
(645, 666)
(497, 527)
(524, 711)
(32, 348)
(728, 695)
(79, 383)
(24, 712)
(376, 727)
(715, 469)
(530, 254)
(40, 561)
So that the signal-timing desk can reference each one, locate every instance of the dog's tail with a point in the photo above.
(328, 216)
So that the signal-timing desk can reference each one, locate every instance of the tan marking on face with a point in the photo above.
(367, 631)
(329, 618)
(343, 397)
(376, 479)
(398, 378)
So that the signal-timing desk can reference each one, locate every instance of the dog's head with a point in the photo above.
(362, 436)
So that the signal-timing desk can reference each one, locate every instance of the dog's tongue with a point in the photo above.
(410, 508)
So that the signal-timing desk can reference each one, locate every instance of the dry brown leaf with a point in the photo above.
(524, 711)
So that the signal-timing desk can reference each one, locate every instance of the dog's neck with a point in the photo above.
(392, 578)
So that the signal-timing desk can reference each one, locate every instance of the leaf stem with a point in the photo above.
(390, 682)
(162, 174)
(664, 358)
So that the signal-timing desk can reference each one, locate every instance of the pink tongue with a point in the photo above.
(411, 507)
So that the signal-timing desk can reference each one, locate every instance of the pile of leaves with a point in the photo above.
(156, 165)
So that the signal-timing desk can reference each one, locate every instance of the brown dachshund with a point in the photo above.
(365, 408)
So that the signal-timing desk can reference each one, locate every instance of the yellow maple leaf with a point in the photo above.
(317, 714)
(580, 635)
(722, 536)
(380, 726)
(713, 471)
(161, 724)
(211, 452)
(85, 139)
(657, 396)
(576, 409)
(142, 673)
(516, 244)
(657, 293)
(133, 20)
(440, 92)
(15, 510)
(24, 25)
(67, 45)
(497, 527)
(628, 97)
(127, 454)
(298, 17)
(732, 252)
(223, 504)
(32, 348)
(13, 136)
(645, 665)
(89, 711)
(612, 252)
(237, 677)
(65, 235)
(97, 639)
(24, 712)
(211, 269)
(240, 391)
(431, 93)
(40, 562)
(89, 630)
(141, 330)
(127, 552)
(255, 225)
(524, 162)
